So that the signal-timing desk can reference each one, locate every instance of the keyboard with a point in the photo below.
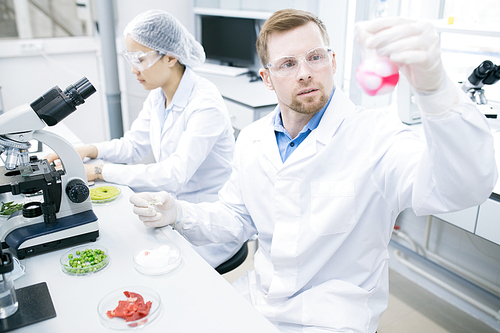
(208, 68)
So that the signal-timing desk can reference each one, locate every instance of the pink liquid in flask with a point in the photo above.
(377, 75)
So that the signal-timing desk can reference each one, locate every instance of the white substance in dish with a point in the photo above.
(160, 261)
(156, 258)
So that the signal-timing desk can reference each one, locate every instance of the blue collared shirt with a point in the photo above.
(286, 144)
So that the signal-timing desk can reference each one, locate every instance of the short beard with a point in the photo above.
(301, 107)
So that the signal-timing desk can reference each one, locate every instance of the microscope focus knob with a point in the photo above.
(77, 191)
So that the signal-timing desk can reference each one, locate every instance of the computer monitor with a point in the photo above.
(229, 40)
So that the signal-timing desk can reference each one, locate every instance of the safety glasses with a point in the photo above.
(140, 60)
(316, 59)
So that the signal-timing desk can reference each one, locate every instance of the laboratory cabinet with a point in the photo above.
(465, 219)
(483, 220)
(242, 115)
(488, 220)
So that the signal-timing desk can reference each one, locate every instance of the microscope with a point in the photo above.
(65, 216)
(486, 73)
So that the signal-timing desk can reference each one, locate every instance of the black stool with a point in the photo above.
(233, 262)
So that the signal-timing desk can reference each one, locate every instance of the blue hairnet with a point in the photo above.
(162, 32)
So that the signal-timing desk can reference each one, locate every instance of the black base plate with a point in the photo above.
(35, 305)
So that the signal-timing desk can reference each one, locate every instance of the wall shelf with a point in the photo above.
(232, 13)
(468, 29)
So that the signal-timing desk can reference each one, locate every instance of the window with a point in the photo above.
(469, 36)
(45, 18)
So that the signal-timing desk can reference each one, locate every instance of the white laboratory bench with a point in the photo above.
(195, 298)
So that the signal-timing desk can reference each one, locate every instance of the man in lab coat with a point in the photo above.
(322, 181)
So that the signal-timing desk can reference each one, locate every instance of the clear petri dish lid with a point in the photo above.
(112, 315)
(160, 260)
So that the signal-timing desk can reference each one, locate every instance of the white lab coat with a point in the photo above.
(325, 216)
(193, 148)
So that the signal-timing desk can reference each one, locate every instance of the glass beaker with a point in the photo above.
(8, 299)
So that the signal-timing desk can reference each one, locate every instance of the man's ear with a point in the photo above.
(264, 74)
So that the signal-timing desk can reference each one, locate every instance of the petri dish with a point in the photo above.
(110, 302)
(105, 194)
(161, 260)
(85, 267)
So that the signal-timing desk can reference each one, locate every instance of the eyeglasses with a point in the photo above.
(140, 60)
(316, 59)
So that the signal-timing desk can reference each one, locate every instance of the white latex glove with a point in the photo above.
(413, 45)
(155, 209)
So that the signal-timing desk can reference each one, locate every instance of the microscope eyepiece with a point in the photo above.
(80, 91)
(485, 73)
(481, 72)
(55, 105)
(86, 90)
(493, 76)
(80, 82)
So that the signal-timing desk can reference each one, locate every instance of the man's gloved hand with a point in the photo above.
(155, 209)
(413, 45)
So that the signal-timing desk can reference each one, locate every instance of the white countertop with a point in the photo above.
(195, 297)
(241, 90)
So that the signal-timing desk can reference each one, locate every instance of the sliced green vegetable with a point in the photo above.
(10, 207)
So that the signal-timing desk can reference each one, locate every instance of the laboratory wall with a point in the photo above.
(25, 75)
(42, 57)
(31, 66)
(133, 94)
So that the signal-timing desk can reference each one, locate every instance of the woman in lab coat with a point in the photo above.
(324, 197)
(184, 122)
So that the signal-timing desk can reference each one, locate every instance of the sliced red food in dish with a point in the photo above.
(131, 309)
